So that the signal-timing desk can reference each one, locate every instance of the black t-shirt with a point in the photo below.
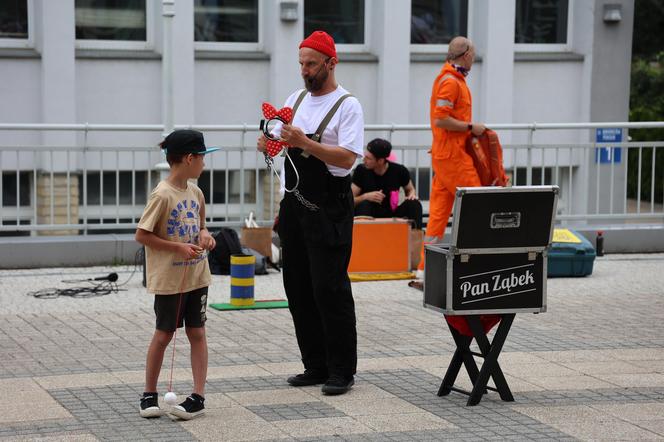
(395, 177)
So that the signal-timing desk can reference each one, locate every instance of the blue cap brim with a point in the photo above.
(209, 150)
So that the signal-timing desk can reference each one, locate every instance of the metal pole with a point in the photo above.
(168, 12)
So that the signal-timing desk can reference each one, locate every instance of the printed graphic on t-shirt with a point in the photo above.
(182, 226)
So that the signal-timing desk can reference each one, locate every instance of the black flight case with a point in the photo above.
(494, 267)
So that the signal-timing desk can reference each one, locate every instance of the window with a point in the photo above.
(218, 181)
(16, 23)
(437, 21)
(234, 184)
(9, 183)
(226, 21)
(538, 176)
(94, 188)
(541, 22)
(14, 19)
(121, 24)
(342, 19)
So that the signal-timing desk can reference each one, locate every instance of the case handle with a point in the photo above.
(505, 220)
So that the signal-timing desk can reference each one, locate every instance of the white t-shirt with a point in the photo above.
(345, 129)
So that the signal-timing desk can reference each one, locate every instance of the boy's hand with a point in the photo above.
(206, 241)
(188, 251)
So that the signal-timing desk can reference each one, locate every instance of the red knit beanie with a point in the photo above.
(322, 42)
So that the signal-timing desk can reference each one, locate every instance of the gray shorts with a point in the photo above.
(191, 305)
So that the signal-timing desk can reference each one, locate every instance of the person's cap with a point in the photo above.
(185, 141)
(379, 148)
(322, 42)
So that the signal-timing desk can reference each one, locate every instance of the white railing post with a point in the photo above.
(167, 111)
(529, 160)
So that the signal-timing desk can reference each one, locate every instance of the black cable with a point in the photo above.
(97, 287)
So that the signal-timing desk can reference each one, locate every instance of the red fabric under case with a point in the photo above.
(460, 324)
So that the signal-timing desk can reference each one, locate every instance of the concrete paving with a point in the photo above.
(591, 368)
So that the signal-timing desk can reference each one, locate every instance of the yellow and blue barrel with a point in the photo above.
(242, 279)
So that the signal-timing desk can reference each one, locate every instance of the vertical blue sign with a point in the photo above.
(608, 154)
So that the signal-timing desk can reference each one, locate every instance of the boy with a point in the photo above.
(172, 229)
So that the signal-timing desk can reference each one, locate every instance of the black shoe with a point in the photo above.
(192, 406)
(338, 384)
(309, 377)
(150, 405)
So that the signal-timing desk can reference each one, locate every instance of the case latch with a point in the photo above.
(532, 256)
(465, 258)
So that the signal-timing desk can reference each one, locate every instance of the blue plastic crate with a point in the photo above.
(571, 254)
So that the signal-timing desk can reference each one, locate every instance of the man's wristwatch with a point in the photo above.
(470, 127)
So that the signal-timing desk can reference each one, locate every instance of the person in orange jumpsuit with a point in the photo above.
(451, 122)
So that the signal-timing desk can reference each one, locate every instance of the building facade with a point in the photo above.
(100, 62)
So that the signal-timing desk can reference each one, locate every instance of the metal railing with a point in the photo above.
(61, 188)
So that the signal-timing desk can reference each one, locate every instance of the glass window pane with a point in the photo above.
(219, 182)
(111, 20)
(541, 21)
(342, 19)
(9, 189)
(235, 182)
(226, 21)
(14, 19)
(437, 21)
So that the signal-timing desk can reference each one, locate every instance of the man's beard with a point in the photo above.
(316, 82)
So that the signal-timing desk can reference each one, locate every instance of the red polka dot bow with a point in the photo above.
(285, 115)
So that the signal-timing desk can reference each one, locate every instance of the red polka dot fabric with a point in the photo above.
(273, 147)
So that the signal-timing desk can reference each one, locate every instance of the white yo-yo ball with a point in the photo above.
(171, 398)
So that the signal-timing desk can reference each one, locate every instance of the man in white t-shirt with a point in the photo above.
(316, 217)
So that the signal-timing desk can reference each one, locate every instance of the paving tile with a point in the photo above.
(552, 415)
(372, 364)
(42, 405)
(637, 354)
(634, 380)
(635, 413)
(87, 357)
(656, 426)
(333, 426)
(543, 369)
(361, 407)
(606, 430)
(236, 371)
(575, 355)
(267, 397)
(606, 367)
(282, 368)
(570, 382)
(77, 380)
(404, 422)
(360, 391)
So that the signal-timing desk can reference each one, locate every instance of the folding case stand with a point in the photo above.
(490, 367)
(495, 264)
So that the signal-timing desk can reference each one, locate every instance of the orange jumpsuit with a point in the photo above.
(452, 166)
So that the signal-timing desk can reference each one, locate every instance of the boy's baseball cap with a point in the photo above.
(184, 141)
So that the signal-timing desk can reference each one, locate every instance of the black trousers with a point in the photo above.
(316, 249)
(411, 209)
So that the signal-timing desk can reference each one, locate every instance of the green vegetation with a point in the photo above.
(647, 97)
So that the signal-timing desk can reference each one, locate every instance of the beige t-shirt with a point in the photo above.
(174, 214)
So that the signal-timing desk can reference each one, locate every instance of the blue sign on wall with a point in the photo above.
(608, 154)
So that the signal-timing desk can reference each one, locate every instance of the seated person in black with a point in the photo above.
(376, 185)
